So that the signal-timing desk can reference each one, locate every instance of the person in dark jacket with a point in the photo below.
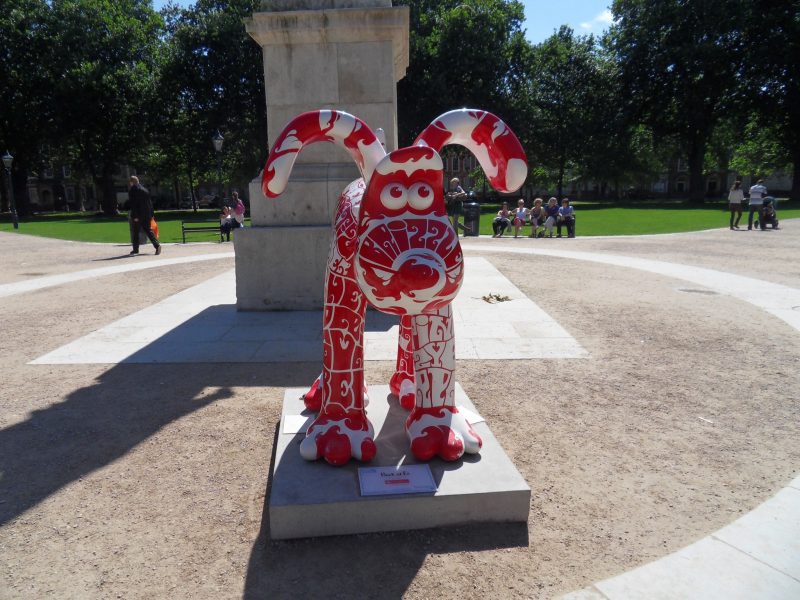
(141, 213)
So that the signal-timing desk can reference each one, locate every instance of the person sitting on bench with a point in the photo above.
(502, 221)
(566, 216)
(537, 217)
(226, 221)
(519, 217)
(551, 214)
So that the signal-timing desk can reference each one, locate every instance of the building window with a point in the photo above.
(681, 165)
(680, 186)
(454, 163)
(66, 171)
(47, 172)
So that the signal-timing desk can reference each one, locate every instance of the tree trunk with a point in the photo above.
(191, 185)
(561, 169)
(19, 179)
(108, 201)
(5, 203)
(176, 186)
(795, 175)
(697, 187)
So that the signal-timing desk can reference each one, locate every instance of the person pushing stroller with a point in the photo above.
(768, 215)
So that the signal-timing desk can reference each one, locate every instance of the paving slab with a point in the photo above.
(309, 499)
(201, 324)
(709, 569)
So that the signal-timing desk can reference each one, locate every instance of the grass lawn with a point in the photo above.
(592, 219)
(87, 227)
(644, 218)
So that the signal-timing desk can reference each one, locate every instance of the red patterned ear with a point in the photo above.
(341, 128)
(491, 141)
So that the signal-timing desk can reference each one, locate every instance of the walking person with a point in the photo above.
(757, 193)
(735, 199)
(141, 213)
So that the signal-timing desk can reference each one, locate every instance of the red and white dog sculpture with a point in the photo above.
(393, 246)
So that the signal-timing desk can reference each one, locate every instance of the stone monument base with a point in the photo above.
(310, 499)
(281, 268)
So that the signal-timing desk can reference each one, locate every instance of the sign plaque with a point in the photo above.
(405, 479)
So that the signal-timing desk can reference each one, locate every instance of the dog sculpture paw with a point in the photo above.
(337, 439)
(441, 431)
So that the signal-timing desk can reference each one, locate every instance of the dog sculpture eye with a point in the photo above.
(394, 196)
(420, 196)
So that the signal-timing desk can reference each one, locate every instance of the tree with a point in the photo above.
(565, 99)
(212, 79)
(106, 87)
(757, 151)
(26, 102)
(462, 53)
(680, 61)
(772, 78)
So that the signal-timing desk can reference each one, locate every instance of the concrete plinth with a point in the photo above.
(318, 54)
(281, 268)
(311, 499)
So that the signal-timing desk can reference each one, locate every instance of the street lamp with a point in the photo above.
(217, 140)
(8, 160)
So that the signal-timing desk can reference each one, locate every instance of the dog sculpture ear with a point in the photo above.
(341, 128)
(491, 141)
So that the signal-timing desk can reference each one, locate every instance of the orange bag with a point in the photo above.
(154, 227)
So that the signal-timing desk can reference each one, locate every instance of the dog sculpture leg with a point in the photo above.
(341, 430)
(435, 427)
(402, 382)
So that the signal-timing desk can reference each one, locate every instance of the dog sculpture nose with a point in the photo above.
(420, 273)
(409, 265)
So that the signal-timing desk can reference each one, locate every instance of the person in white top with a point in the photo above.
(519, 216)
(757, 193)
(735, 198)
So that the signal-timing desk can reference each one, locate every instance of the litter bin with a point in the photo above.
(472, 218)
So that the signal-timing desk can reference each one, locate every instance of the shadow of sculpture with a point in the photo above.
(366, 565)
(97, 424)
(379, 565)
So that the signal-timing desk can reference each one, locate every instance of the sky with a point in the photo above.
(542, 17)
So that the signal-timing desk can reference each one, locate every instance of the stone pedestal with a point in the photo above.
(309, 499)
(318, 54)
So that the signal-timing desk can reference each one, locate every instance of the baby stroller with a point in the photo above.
(768, 216)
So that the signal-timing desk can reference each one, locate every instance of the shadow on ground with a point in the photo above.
(98, 424)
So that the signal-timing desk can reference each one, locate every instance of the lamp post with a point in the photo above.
(8, 160)
(217, 140)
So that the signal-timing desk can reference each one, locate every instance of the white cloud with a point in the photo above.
(600, 22)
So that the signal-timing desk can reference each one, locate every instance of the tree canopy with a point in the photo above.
(98, 83)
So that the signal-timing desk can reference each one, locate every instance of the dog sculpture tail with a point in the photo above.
(341, 128)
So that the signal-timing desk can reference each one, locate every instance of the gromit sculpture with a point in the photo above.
(393, 246)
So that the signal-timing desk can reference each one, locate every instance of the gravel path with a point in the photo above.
(149, 481)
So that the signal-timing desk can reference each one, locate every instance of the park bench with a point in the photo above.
(203, 227)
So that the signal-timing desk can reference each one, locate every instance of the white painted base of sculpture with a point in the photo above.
(309, 499)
